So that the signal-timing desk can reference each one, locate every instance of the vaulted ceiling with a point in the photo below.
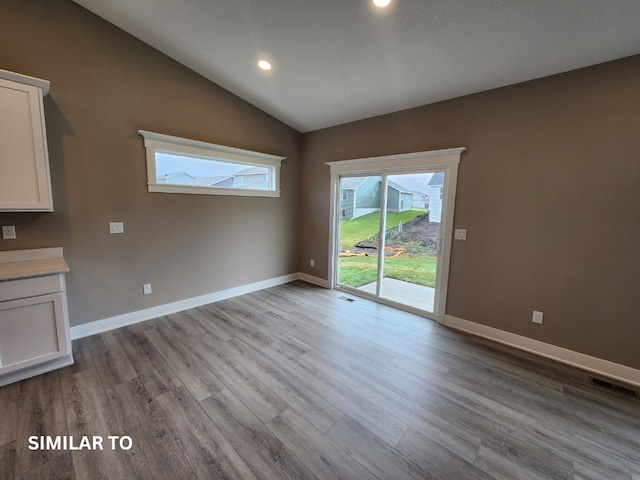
(336, 61)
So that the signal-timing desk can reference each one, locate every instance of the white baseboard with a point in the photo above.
(104, 325)
(595, 365)
(320, 282)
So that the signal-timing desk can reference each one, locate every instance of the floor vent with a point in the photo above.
(616, 388)
(347, 299)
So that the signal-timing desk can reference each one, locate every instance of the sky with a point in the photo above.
(416, 182)
(197, 167)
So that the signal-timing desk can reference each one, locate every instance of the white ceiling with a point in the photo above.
(336, 61)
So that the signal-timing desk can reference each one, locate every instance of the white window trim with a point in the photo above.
(158, 142)
(398, 163)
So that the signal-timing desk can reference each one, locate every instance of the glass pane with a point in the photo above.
(178, 169)
(412, 239)
(358, 232)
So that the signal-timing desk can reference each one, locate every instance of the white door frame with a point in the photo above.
(444, 160)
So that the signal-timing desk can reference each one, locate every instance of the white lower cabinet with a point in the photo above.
(34, 327)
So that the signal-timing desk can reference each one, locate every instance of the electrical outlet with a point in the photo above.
(146, 289)
(116, 227)
(312, 262)
(537, 317)
(9, 232)
(460, 234)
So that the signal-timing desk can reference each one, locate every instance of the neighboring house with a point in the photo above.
(221, 181)
(183, 178)
(399, 198)
(176, 178)
(255, 178)
(420, 200)
(436, 188)
(361, 195)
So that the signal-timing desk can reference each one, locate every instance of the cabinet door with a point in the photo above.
(24, 160)
(32, 331)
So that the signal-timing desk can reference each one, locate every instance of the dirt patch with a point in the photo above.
(418, 236)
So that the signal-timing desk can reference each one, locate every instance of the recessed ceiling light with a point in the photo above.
(381, 3)
(264, 65)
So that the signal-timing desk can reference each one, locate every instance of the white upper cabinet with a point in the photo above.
(25, 184)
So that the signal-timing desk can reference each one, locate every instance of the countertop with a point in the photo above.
(31, 263)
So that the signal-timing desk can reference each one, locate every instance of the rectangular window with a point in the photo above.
(343, 213)
(344, 194)
(180, 165)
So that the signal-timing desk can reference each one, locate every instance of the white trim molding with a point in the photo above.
(320, 282)
(27, 80)
(411, 161)
(591, 364)
(111, 323)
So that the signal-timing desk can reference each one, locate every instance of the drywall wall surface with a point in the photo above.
(549, 192)
(105, 86)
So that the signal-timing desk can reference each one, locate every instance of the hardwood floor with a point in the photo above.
(295, 382)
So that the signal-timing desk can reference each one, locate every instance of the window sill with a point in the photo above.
(196, 190)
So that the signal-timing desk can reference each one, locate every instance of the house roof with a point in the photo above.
(171, 175)
(351, 183)
(175, 174)
(209, 181)
(437, 179)
(398, 187)
(252, 171)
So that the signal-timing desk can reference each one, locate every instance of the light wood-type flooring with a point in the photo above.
(297, 382)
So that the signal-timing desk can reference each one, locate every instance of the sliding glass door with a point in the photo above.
(388, 237)
(391, 228)
(411, 239)
(359, 225)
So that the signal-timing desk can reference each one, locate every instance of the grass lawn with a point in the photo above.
(361, 228)
(358, 271)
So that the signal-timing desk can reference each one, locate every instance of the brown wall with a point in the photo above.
(549, 191)
(105, 85)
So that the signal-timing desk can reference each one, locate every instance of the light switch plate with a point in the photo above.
(9, 232)
(460, 234)
(116, 227)
(146, 289)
